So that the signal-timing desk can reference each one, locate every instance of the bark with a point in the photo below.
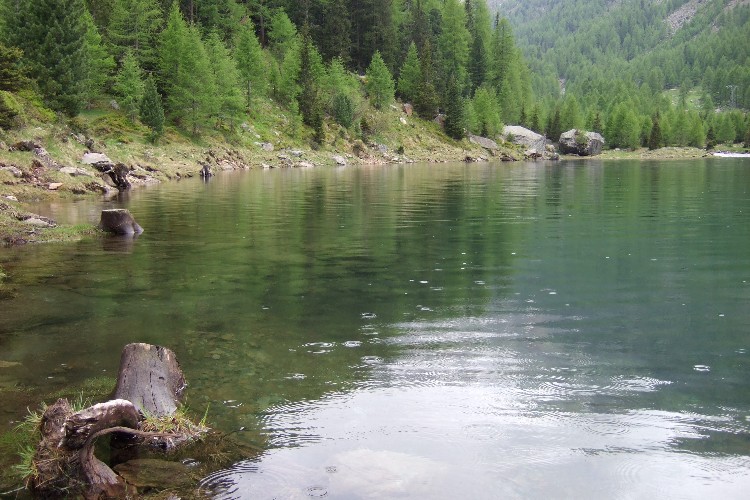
(150, 382)
(150, 377)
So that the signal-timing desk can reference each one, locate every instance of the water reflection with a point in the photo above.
(476, 331)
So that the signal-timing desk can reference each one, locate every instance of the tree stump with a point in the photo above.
(119, 221)
(150, 384)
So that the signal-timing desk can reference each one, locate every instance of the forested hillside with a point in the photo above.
(605, 53)
(205, 64)
(199, 65)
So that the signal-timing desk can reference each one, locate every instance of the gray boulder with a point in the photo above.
(581, 143)
(484, 142)
(524, 137)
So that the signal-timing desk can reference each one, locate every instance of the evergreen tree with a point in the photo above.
(98, 64)
(747, 137)
(479, 24)
(570, 114)
(379, 85)
(554, 126)
(11, 73)
(410, 76)
(283, 35)
(134, 25)
(151, 109)
(52, 34)
(172, 43)
(710, 138)
(129, 86)
(427, 101)
(308, 99)
(486, 111)
(454, 43)
(535, 122)
(192, 99)
(228, 96)
(597, 125)
(250, 62)
(455, 117)
(336, 31)
(655, 139)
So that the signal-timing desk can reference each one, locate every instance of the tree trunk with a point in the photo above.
(150, 383)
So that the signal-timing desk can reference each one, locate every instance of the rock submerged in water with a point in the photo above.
(119, 221)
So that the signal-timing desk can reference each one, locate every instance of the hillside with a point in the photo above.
(666, 44)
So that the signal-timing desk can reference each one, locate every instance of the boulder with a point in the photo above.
(75, 171)
(524, 137)
(339, 160)
(408, 109)
(581, 143)
(266, 146)
(119, 221)
(484, 142)
(96, 159)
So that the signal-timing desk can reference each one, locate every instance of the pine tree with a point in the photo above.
(597, 125)
(336, 30)
(98, 64)
(250, 62)
(151, 109)
(308, 99)
(410, 76)
(655, 139)
(427, 101)
(380, 87)
(479, 25)
(11, 73)
(129, 86)
(455, 117)
(51, 34)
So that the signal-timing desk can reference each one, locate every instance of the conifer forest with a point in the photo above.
(671, 73)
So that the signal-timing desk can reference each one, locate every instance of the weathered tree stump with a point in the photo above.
(150, 384)
(119, 221)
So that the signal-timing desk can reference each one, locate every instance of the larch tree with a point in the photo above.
(410, 75)
(192, 94)
(248, 55)
(379, 84)
(455, 115)
(129, 86)
(134, 25)
(229, 99)
(172, 41)
(454, 43)
(98, 64)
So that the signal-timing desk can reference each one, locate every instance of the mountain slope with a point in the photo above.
(667, 43)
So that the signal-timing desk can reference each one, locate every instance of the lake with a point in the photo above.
(578, 329)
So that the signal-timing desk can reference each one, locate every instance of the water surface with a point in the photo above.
(567, 330)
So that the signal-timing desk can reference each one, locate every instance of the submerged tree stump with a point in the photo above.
(119, 221)
(150, 384)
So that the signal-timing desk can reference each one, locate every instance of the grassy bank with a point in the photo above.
(270, 138)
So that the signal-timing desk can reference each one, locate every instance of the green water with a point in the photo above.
(567, 330)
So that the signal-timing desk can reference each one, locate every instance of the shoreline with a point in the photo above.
(36, 175)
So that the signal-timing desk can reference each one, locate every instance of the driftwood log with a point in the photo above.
(150, 384)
